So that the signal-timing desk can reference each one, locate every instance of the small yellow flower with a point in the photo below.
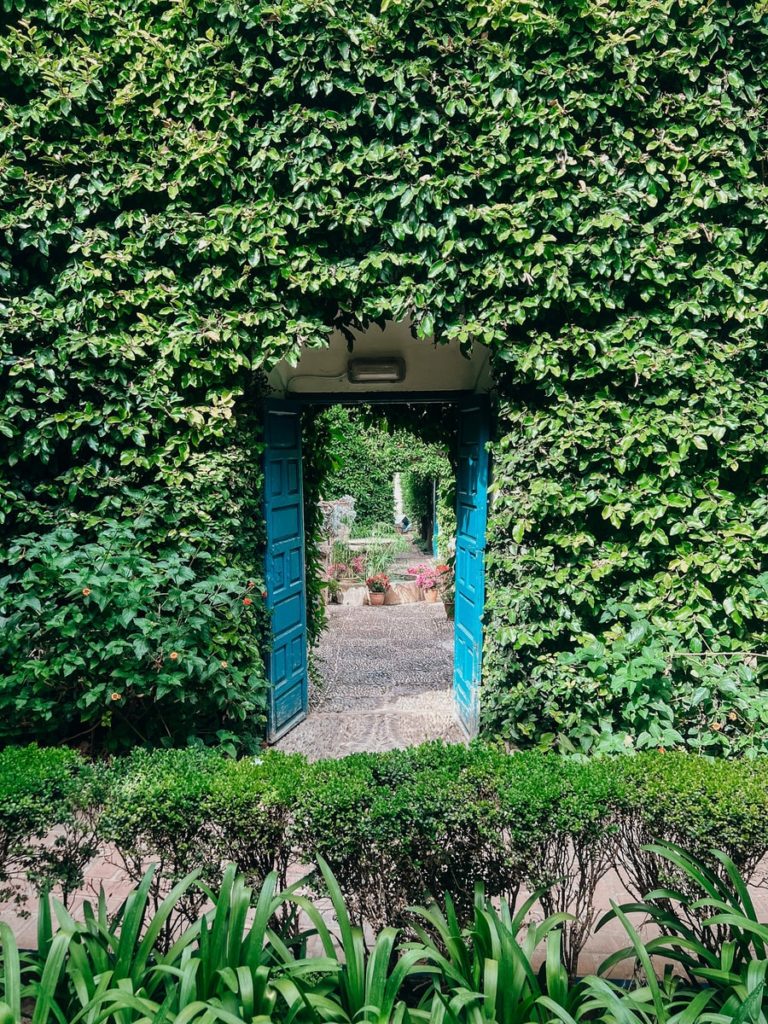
(86, 591)
(117, 696)
(223, 664)
(717, 726)
(174, 655)
(733, 716)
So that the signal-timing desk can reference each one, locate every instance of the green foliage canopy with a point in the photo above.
(190, 192)
(365, 451)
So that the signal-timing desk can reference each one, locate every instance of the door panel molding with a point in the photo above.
(284, 567)
(471, 518)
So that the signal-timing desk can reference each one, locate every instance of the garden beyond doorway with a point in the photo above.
(382, 663)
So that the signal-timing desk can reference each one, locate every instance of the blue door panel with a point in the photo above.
(284, 566)
(471, 514)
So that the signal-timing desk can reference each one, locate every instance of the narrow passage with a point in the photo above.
(386, 681)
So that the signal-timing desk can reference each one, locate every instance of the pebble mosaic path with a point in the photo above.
(386, 675)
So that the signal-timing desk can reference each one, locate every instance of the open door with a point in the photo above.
(284, 567)
(471, 515)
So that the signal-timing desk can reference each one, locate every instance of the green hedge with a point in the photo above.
(50, 802)
(365, 449)
(395, 828)
(189, 195)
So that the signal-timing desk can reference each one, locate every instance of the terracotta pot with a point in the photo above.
(430, 596)
(375, 598)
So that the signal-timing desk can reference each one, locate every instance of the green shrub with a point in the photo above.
(418, 496)
(558, 823)
(363, 461)
(158, 811)
(636, 689)
(398, 828)
(330, 818)
(132, 641)
(700, 804)
(49, 803)
(251, 806)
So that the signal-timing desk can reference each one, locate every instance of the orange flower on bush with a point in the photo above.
(247, 601)
(117, 696)
(717, 726)
(173, 655)
(86, 591)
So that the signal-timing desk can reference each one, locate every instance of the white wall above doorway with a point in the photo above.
(428, 367)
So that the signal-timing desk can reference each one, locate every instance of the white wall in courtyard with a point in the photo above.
(428, 367)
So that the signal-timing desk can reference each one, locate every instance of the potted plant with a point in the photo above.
(426, 579)
(378, 586)
(331, 590)
(446, 588)
(335, 572)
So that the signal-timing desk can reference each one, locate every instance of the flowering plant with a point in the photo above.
(428, 577)
(445, 581)
(378, 584)
(337, 570)
(358, 565)
(417, 570)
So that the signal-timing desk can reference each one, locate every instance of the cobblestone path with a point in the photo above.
(386, 681)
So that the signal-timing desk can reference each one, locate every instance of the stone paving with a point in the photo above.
(385, 682)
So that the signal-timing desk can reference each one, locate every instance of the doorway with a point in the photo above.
(286, 556)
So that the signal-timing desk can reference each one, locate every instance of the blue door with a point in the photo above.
(284, 567)
(471, 514)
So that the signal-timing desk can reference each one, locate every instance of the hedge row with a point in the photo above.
(395, 828)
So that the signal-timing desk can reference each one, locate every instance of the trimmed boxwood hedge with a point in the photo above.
(189, 193)
(396, 828)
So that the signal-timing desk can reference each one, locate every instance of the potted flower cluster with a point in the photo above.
(421, 572)
(446, 588)
(434, 582)
(378, 586)
(335, 572)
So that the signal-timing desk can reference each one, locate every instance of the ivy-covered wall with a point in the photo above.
(363, 463)
(189, 192)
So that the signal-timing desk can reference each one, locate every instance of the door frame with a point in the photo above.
(452, 398)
